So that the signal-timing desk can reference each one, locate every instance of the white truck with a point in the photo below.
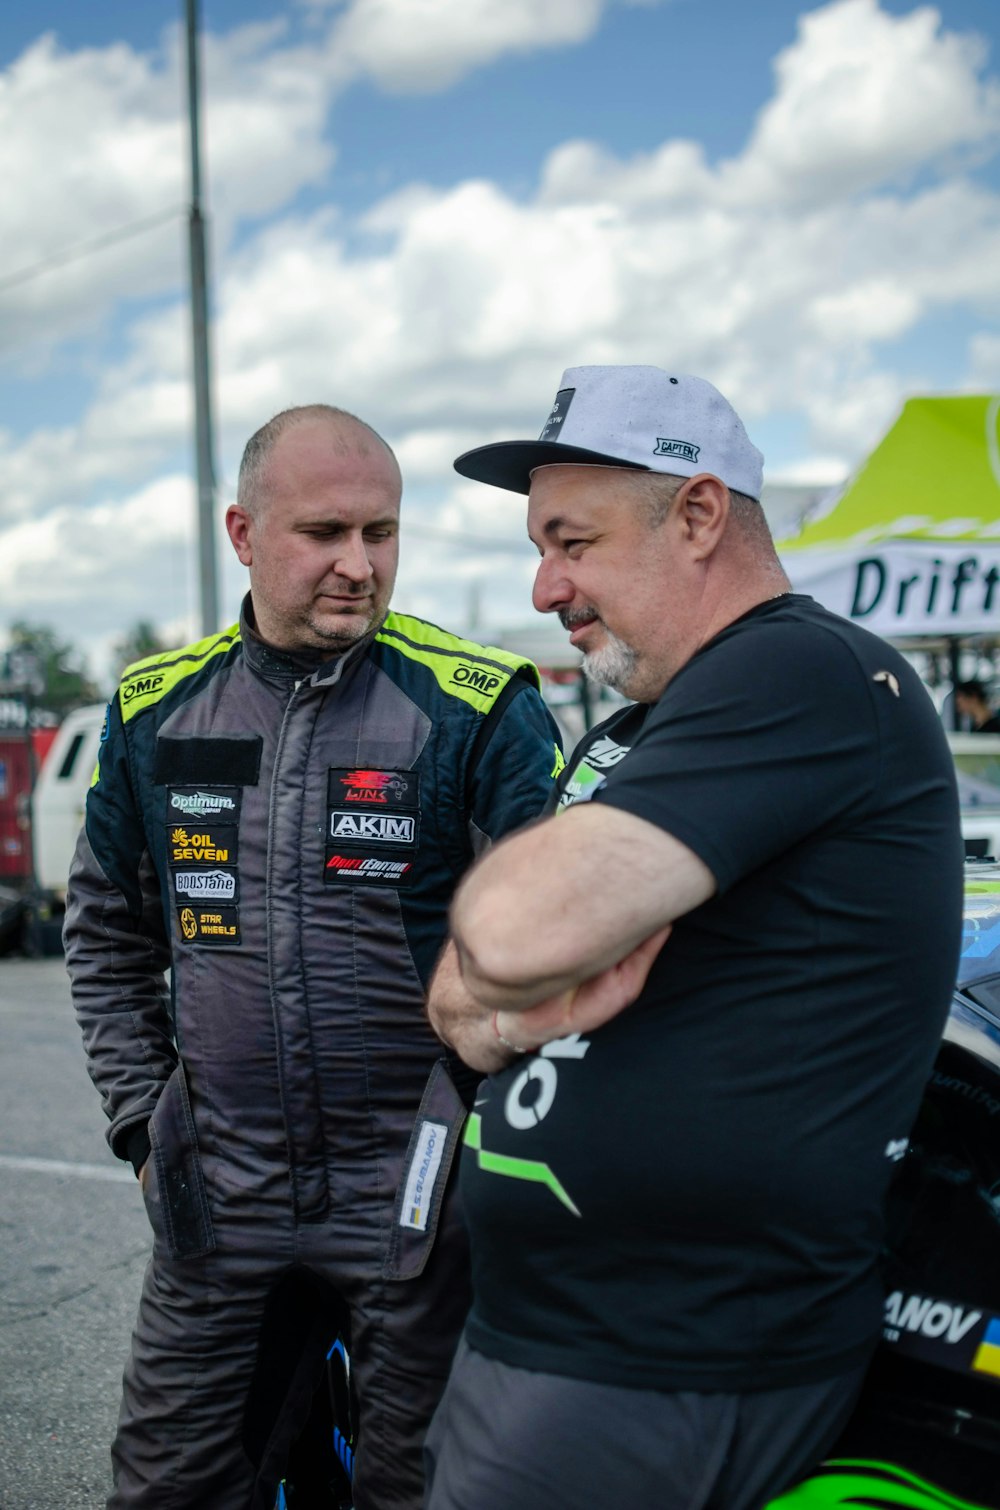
(57, 805)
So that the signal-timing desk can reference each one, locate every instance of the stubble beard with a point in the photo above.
(614, 664)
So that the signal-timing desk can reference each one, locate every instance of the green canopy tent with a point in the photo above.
(911, 547)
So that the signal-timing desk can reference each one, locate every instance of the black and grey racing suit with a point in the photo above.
(285, 836)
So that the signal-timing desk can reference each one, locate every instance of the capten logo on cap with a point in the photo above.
(637, 417)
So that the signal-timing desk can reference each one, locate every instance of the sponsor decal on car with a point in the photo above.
(955, 1336)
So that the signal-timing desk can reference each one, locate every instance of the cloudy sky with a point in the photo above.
(425, 210)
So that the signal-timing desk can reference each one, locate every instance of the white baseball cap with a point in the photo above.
(638, 417)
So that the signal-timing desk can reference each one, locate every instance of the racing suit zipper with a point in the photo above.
(309, 1194)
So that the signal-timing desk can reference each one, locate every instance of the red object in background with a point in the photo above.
(15, 798)
(42, 741)
(15, 792)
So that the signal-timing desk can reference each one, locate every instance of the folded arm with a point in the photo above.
(556, 928)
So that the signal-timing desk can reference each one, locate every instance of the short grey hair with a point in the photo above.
(659, 489)
(352, 435)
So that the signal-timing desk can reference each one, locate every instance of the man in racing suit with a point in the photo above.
(280, 815)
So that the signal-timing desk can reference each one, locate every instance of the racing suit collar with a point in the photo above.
(294, 665)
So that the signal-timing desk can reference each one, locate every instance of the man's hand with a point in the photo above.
(143, 1173)
(586, 1007)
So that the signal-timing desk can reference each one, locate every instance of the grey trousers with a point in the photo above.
(507, 1438)
(181, 1431)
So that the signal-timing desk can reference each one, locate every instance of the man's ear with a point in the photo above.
(703, 503)
(238, 527)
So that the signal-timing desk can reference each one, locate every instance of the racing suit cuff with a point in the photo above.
(137, 1146)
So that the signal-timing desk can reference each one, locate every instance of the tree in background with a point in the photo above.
(138, 642)
(51, 674)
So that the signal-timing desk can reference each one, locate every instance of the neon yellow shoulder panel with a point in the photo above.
(145, 682)
(475, 673)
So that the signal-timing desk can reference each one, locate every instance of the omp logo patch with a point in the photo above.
(682, 448)
(217, 884)
(216, 846)
(216, 925)
(935, 1319)
(141, 686)
(395, 788)
(383, 828)
(203, 804)
(479, 678)
(422, 1174)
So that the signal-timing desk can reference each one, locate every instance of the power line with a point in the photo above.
(87, 248)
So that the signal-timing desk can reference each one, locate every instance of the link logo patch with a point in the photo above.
(208, 845)
(380, 828)
(206, 885)
(366, 870)
(204, 802)
(373, 788)
(210, 925)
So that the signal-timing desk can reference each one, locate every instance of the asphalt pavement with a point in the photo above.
(73, 1245)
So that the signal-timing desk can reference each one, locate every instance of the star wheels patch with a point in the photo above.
(209, 925)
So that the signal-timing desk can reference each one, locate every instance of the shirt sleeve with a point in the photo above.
(765, 738)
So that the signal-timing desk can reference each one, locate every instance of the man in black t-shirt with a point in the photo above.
(972, 702)
(708, 992)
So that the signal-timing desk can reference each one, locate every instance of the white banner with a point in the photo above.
(901, 587)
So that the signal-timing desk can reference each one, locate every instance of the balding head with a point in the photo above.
(349, 436)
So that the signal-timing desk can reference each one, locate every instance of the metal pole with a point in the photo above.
(955, 672)
(207, 576)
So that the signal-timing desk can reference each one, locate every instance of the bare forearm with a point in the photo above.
(462, 1022)
(531, 921)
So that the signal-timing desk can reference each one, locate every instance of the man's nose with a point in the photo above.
(351, 560)
(552, 589)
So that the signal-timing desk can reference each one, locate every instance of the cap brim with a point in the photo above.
(510, 463)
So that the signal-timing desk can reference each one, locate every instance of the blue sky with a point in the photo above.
(426, 209)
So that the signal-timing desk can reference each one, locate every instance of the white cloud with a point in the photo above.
(865, 98)
(420, 46)
(447, 317)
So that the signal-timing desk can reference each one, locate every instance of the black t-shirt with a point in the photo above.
(692, 1196)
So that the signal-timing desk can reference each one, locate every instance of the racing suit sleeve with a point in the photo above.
(117, 951)
(518, 758)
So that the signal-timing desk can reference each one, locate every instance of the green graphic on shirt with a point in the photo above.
(581, 786)
(846, 1481)
(515, 1169)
